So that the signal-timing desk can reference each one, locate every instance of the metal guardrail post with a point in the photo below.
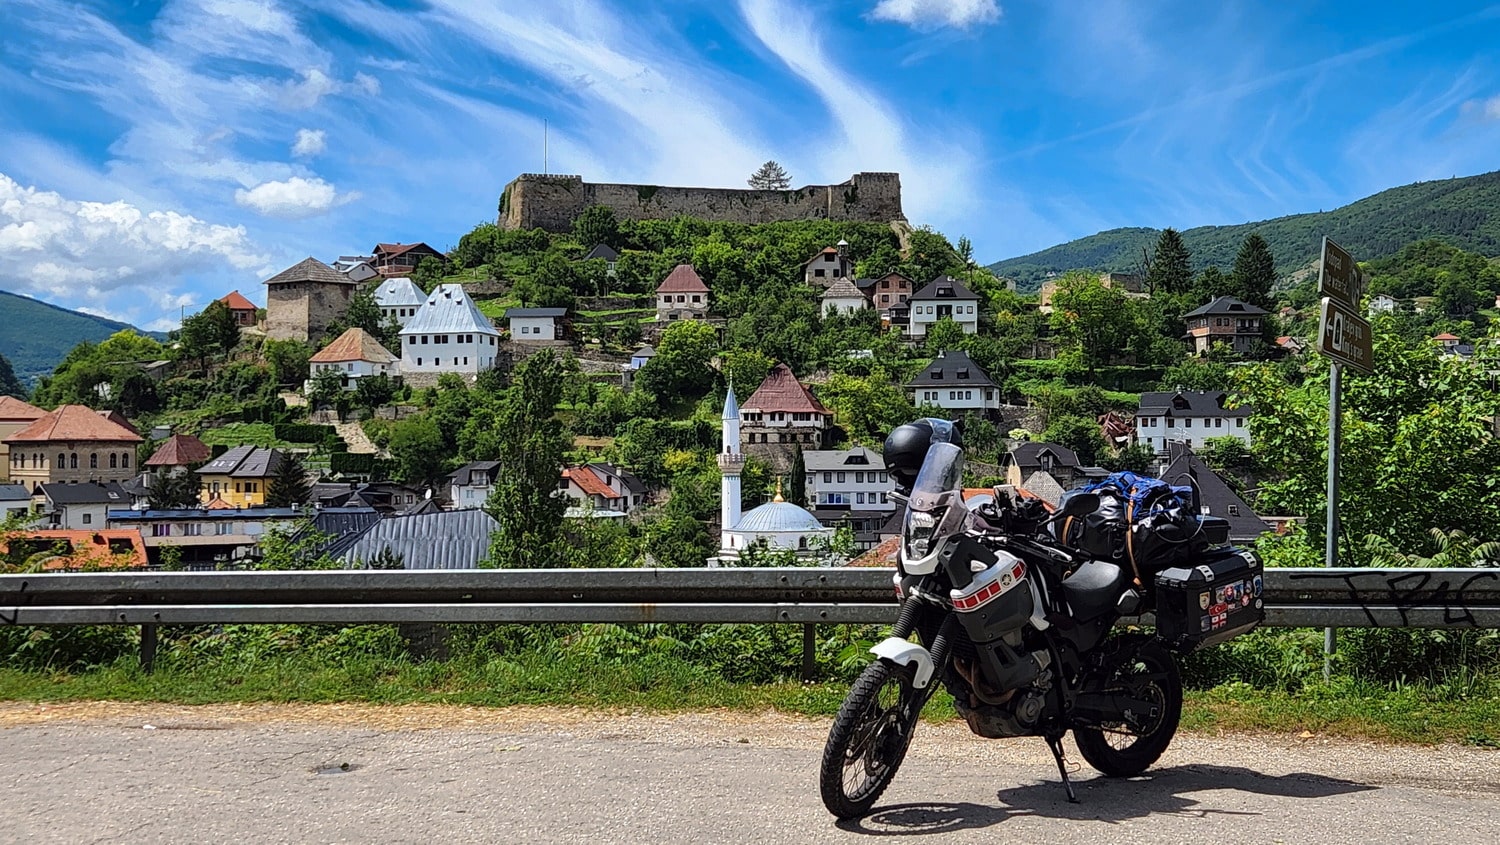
(148, 647)
(809, 652)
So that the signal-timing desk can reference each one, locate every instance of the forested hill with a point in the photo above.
(35, 336)
(1463, 212)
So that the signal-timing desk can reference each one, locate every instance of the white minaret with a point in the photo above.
(730, 464)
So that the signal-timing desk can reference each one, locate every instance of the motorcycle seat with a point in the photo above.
(1093, 589)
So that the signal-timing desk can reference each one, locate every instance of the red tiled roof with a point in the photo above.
(180, 450)
(589, 483)
(237, 302)
(74, 422)
(119, 419)
(91, 549)
(218, 504)
(882, 555)
(393, 250)
(682, 279)
(13, 409)
(354, 345)
(1446, 336)
(782, 392)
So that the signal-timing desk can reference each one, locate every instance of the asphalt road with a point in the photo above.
(96, 773)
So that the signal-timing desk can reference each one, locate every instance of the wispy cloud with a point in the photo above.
(1484, 109)
(309, 142)
(934, 14)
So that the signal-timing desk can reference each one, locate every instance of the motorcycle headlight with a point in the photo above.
(920, 528)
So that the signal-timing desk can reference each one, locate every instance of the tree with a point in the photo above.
(374, 391)
(770, 177)
(796, 483)
(172, 490)
(326, 386)
(428, 272)
(419, 451)
(680, 369)
(597, 225)
(364, 312)
(1254, 272)
(212, 330)
(1171, 265)
(1095, 322)
(1081, 434)
(867, 407)
(288, 360)
(532, 446)
(943, 335)
(9, 384)
(289, 486)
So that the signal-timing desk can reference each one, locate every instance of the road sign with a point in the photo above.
(1344, 336)
(1338, 274)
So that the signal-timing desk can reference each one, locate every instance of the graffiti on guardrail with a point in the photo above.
(1451, 592)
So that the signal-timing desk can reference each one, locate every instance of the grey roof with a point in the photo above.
(449, 309)
(89, 493)
(476, 474)
(10, 492)
(647, 351)
(843, 288)
(534, 312)
(244, 462)
(952, 368)
(1213, 493)
(446, 540)
(311, 270)
(627, 478)
(398, 292)
(945, 288)
(216, 515)
(1044, 486)
(1226, 305)
(1189, 403)
(603, 251)
(1029, 455)
(779, 517)
(860, 458)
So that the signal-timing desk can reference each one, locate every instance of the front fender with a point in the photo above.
(905, 653)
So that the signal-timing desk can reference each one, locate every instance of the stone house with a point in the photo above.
(73, 443)
(1029, 458)
(682, 295)
(783, 411)
(304, 299)
(14, 416)
(830, 263)
(943, 297)
(886, 293)
(1226, 320)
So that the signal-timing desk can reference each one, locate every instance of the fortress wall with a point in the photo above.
(551, 202)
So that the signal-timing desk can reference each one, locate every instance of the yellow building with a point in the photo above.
(240, 476)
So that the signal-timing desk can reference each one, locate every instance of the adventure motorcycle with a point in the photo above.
(1014, 609)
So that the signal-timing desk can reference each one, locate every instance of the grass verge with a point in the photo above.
(1344, 708)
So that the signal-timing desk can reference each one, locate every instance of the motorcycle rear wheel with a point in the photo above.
(1144, 670)
(869, 739)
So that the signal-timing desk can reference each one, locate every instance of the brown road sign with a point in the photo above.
(1338, 275)
(1344, 336)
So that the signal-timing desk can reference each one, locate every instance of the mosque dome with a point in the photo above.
(779, 517)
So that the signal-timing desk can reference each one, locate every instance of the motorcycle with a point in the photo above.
(1017, 625)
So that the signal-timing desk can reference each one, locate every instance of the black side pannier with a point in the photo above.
(1214, 600)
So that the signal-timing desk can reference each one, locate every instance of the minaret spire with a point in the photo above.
(731, 462)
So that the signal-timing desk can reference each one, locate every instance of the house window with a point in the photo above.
(60, 460)
(88, 519)
(697, 298)
(223, 528)
(1239, 423)
(859, 478)
(1187, 423)
(419, 362)
(466, 360)
(1219, 422)
(94, 461)
(1234, 510)
(827, 478)
(819, 273)
(161, 530)
(114, 461)
(859, 498)
(424, 340)
(192, 529)
(841, 477)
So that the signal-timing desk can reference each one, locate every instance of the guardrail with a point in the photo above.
(1296, 598)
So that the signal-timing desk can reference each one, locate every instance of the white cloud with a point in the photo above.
(73, 249)
(293, 199)
(310, 142)
(935, 14)
(1485, 109)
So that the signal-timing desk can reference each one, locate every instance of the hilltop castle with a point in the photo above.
(552, 202)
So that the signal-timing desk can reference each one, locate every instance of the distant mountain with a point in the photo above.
(1464, 212)
(35, 336)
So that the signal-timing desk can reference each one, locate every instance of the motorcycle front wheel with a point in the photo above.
(869, 739)
(1140, 668)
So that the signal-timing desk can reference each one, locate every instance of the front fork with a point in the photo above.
(926, 661)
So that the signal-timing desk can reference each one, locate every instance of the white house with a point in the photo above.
(399, 298)
(535, 325)
(954, 382)
(843, 297)
(1190, 417)
(80, 507)
(1382, 303)
(853, 478)
(829, 264)
(354, 355)
(470, 484)
(607, 254)
(639, 357)
(944, 296)
(358, 268)
(15, 500)
(602, 487)
(448, 335)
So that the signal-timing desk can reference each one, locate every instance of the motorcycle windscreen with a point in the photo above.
(942, 472)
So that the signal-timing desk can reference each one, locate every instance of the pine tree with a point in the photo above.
(173, 490)
(1254, 272)
(1171, 265)
(289, 486)
(770, 177)
(9, 384)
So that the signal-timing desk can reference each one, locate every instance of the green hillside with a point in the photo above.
(35, 336)
(1464, 212)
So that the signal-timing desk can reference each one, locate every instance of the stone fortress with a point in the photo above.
(552, 202)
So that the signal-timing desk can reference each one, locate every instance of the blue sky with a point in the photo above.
(156, 154)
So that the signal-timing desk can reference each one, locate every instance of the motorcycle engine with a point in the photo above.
(1010, 713)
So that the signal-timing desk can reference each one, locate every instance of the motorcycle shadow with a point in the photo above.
(1109, 800)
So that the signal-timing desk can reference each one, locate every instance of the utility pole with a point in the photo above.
(544, 146)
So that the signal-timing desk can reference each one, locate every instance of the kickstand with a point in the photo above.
(1055, 743)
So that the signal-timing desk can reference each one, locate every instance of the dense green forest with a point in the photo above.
(35, 336)
(1462, 212)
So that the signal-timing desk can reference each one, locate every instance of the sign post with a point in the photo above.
(1343, 336)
